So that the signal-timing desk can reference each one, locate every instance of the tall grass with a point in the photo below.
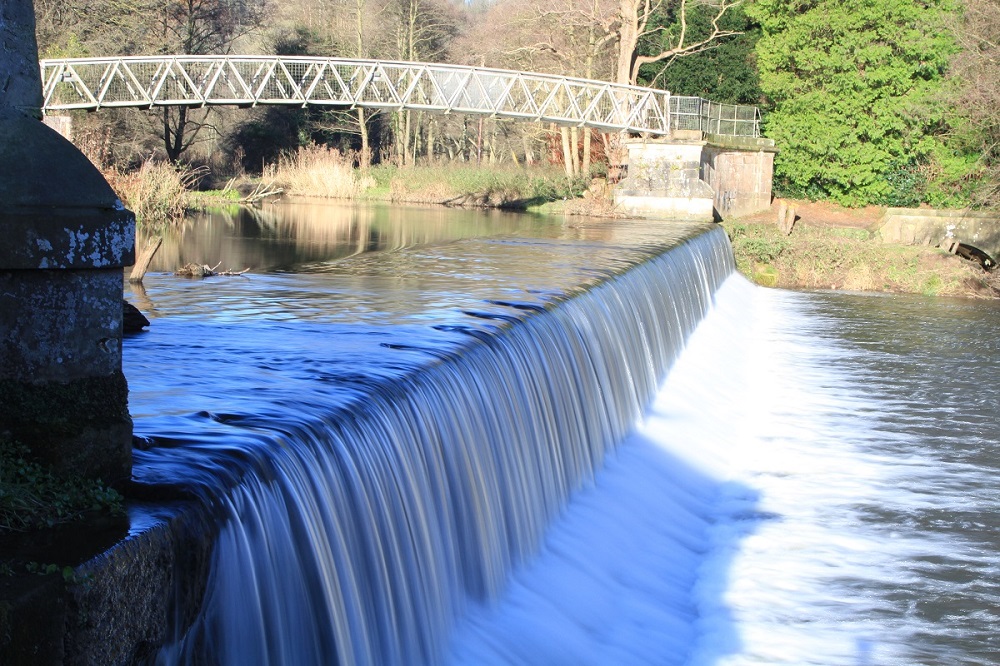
(471, 185)
(317, 171)
(156, 192)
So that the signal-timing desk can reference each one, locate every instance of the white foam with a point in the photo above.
(722, 531)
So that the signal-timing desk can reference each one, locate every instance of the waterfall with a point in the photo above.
(364, 534)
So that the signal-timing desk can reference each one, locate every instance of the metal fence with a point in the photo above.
(697, 113)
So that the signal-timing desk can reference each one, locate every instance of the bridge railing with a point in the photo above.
(140, 81)
(697, 113)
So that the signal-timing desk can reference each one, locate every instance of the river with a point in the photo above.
(814, 482)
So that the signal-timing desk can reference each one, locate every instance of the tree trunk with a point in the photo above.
(144, 258)
(407, 126)
(173, 137)
(365, 158)
(493, 144)
(430, 140)
(574, 143)
(628, 40)
(397, 126)
(479, 143)
(567, 158)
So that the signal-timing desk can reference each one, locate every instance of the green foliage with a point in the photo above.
(906, 185)
(32, 498)
(69, 47)
(725, 73)
(953, 174)
(852, 83)
(756, 244)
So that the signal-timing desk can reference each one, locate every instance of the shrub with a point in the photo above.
(157, 192)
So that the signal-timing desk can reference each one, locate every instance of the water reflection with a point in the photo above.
(386, 265)
(290, 236)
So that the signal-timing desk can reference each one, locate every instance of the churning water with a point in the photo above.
(461, 449)
(815, 483)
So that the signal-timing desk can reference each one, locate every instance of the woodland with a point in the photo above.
(885, 102)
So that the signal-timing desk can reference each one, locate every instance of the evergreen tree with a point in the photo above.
(726, 71)
(852, 83)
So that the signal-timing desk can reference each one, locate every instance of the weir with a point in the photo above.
(343, 464)
(359, 531)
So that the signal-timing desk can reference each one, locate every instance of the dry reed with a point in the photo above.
(317, 171)
(157, 192)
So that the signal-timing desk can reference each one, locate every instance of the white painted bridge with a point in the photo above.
(245, 81)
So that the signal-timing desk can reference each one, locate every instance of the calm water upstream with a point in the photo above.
(815, 481)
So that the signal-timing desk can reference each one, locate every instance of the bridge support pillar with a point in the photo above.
(696, 176)
(66, 239)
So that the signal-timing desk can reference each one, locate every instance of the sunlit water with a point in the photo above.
(814, 482)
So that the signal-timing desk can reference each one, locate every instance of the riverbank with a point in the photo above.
(831, 247)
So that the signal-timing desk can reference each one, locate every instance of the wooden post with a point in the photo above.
(145, 257)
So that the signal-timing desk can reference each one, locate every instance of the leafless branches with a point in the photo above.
(977, 68)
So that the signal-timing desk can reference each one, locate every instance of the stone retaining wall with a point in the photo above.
(945, 228)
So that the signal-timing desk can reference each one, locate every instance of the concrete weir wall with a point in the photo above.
(696, 176)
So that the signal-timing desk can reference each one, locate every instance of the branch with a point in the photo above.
(680, 49)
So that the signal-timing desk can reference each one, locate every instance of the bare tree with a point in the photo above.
(595, 39)
(568, 37)
(199, 27)
(977, 68)
(423, 30)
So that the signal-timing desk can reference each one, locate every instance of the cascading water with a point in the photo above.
(360, 531)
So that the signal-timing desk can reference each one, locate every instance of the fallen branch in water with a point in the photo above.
(204, 270)
(261, 192)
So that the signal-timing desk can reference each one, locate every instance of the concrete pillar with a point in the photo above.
(20, 78)
(740, 171)
(664, 179)
(694, 176)
(66, 239)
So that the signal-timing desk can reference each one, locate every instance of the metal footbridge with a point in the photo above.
(246, 81)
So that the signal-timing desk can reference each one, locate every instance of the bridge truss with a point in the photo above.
(245, 81)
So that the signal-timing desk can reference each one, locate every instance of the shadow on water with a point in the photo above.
(382, 444)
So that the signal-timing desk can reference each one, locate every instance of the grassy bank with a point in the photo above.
(160, 193)
(818, 255)
(319, 172)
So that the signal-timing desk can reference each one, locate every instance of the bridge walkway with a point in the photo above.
(246, 81)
